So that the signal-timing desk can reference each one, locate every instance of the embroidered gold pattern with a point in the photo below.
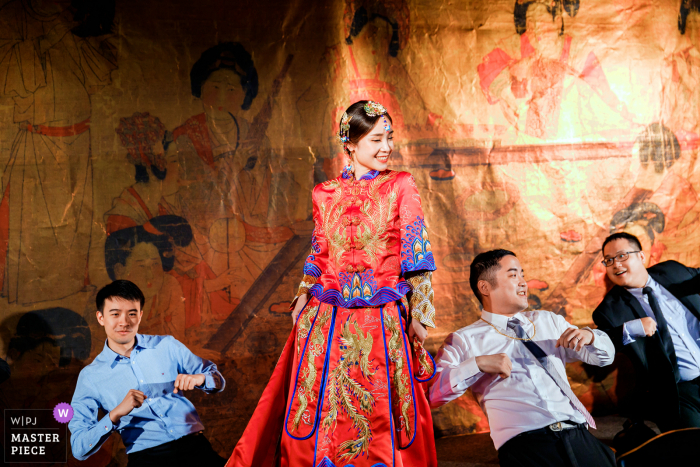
(379, 211)
(422, 295)
(316, 348)
(371, 229)
(305, 325)
(355, 349)
(331, 213)
(426, 369)
(396, 355)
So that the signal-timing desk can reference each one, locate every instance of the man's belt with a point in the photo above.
(561, 426)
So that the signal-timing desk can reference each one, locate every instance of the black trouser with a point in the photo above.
(189, 451)
(689, 401)
(689, 405)
(572, 447)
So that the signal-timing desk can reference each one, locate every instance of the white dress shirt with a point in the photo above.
(683, 327)
(529, 398)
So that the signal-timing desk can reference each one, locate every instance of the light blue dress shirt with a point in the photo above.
(683, 327)
(152, 368)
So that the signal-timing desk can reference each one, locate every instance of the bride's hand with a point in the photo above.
(417, 329)
(301, 301)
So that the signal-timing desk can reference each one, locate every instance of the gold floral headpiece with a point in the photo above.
(374, 109)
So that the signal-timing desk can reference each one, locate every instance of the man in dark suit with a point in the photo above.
(653, 316)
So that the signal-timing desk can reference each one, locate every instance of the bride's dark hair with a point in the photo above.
(361, 123)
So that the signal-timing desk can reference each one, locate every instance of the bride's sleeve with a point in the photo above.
(417, 263)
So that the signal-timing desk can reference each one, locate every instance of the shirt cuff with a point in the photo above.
(106, 424)
(466, 370)
(631, 330)
(209, 382)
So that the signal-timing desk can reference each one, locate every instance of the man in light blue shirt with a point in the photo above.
(683, 327)
(139, 381)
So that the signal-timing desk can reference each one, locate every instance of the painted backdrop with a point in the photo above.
(176, 145)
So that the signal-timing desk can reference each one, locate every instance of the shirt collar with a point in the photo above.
(110, 355)
(638, 291)
(501, 321)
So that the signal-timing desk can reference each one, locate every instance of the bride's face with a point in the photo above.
(372, 152)
(222, 94)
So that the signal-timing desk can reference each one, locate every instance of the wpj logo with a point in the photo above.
(37, 435)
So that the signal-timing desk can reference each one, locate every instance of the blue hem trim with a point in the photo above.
(296, 379)
(434, 370)
(311, 269)
(388, 389)
(324, 379)
(426, 264)
(326, 462)
(382, 296)
(410, 372)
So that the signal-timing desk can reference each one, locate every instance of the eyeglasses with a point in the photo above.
(621, 258)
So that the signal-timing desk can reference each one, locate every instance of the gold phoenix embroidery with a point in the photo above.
(305, 325)
(400, 378)
(315, 349)
(426, 367)
(331, 221)
(342, 389)
(379, 211)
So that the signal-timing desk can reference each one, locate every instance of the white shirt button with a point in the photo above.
(142, 381)
(171, 431)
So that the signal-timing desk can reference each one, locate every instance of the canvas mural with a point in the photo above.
(176, 146)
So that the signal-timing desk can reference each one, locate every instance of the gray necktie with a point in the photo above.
(549, 368)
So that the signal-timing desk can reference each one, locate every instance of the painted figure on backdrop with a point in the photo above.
(234, 191)
(349, 388)
(537, 76)
(681, 87)
(207, 296)
(145, 255)
(661, 199)
(365, 66)
(50, 62)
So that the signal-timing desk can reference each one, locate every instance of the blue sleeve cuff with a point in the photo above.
(106, 424)
(213, 383)
(631, 330)
(209, 382)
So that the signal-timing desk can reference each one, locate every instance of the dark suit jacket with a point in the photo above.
(657, 372)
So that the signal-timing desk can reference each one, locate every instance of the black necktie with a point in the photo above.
(662, 325)
(549, 368)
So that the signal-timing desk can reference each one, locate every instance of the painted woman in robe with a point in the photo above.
(543, 84)
(349, 388)
(207, 296)
(234, 193)
(49, 65)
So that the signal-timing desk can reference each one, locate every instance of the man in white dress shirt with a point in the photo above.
(513, 360)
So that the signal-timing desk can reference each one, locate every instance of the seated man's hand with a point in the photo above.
(188, 382)
(575, 339)
(649, 326)
(498, 364)
(133, 400)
